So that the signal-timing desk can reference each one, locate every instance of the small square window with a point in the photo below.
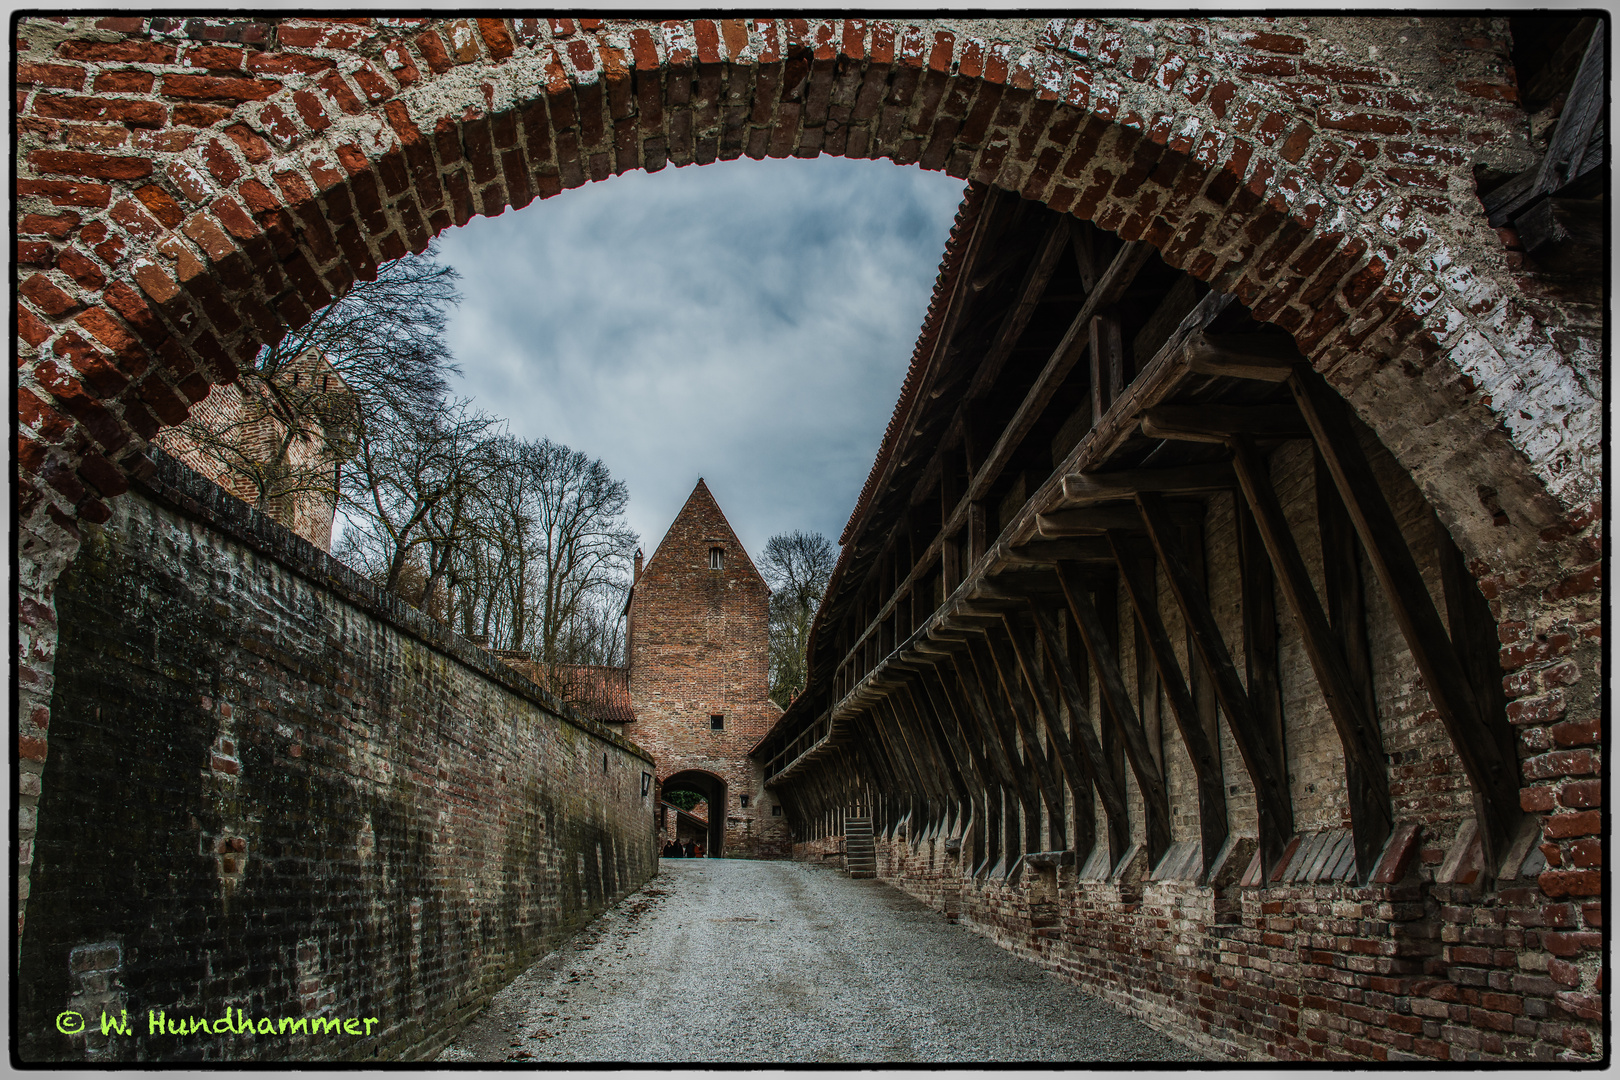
(717, 558)
(717, 721)
(776, 811)
(742, 800)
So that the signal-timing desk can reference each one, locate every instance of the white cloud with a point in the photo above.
(747, 322)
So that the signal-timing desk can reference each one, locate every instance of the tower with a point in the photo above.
(699, 657)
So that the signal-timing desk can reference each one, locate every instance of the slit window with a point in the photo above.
(742, 800)
(717, 558)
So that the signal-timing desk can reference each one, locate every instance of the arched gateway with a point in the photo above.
(190, 188)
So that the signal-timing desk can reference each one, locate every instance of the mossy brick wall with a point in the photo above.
(272, 789)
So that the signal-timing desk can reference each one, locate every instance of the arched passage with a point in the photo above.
(713, 790)
(253, 169)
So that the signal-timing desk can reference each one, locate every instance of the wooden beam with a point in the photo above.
(1475, 736)
(1105, 335)
(1262, 759)
(1099, 519)
(1578, 146)
(1582, 108)
(1205, 756)
(916, 703)
(1264, 357)
(974, 768)
(930, 771)
(987, 731)
(1257, 582)
(1023, 709)
(998, 778)
(970, 762)
(1214, 423)
(1078, 771)
(1037, 275)
(1347, 614)
(1115, 280)
(1081, 489)
(1553, 72)
(1043, 553)
(1370, 809)
(1160, 378)
(1474, 636)
(1004, 709)
(1118, 708)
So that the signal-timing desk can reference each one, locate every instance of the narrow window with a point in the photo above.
(776, 811)
(743, 801)
(717, 721)
(646, 785)
(604, 763)
(717, 558)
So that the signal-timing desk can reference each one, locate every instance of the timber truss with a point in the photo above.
(1072, 410)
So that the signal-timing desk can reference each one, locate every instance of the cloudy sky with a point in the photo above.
(748, 322)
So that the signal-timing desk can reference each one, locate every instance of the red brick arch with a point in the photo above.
(190, 188)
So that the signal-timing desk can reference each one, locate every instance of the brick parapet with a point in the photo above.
(174, 484)
(1408, 971)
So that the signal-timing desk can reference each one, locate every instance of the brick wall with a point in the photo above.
(699, 647)
(274, 789)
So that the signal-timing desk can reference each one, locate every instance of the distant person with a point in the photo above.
(689, 849)
(697, 851)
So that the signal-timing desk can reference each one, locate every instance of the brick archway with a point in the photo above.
(713, 789)
(273, 162)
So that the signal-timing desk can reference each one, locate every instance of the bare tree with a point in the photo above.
(288, 422)
(411, 483)
(797, 566)
(546, 564)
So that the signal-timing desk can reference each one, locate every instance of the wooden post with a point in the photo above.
(1347, 611)
(1029, 765)
(1117, 704)
(1371, 818)
(1205, 755)
(1083, 755)
(1266, 769)
(1480, 739)
(1022, 709)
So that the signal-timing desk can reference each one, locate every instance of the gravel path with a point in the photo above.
(717, 960)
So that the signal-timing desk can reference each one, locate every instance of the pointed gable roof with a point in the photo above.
(703, 514)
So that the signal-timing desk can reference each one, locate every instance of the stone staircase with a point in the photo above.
(860, 855)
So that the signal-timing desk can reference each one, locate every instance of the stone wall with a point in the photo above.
(275, 789)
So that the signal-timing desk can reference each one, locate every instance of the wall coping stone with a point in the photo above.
(176, 485)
